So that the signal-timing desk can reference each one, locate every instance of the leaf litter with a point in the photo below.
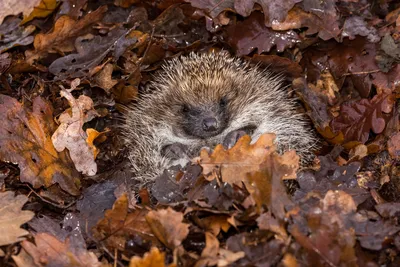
(66, 191)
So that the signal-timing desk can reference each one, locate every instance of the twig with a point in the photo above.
(49, 202)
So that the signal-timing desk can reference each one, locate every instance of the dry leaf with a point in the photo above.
(234, 164)
(154, 258)
(25, 140)
(70, 134)
(118, 225)
(11, 217)
(63, 35)
(12, 7)
(167, 226)
(49, 251)
(45, 8)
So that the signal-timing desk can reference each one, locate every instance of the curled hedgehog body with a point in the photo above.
(206, 99)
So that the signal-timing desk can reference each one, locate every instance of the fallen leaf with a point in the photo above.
(12, 217)
(250, 34)
(92, 50)
(103, 78)
(49, 251)
(327, 27)
(272, 10)
(70, 135)
(25, 140)
(358, 118)
(62, 37)
(11, 7)
(234, 164)
(45, 8)
(394, 146)
(12, 34)
(154, 258)
(118, 226)
(168, 227)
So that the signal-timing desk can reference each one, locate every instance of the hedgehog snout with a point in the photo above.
(210, 124)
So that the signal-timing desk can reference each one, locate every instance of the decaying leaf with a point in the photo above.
(154, 258)
(70, 134)
(62, 37)
(92, 50)
(12, 34)
(49, 251)
(118, 226)
(25, 139)
(12, 217)
(168, 227)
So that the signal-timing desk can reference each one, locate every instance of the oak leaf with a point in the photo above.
(11, 217)
(25, 139)
(62, 37)
(358, 118)
(70, 134)
(234, 164)
(168, 227)
(154, 258)
(118, 225)
(49, 251)
(273, 10)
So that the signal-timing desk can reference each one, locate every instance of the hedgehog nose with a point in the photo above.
(210, 124)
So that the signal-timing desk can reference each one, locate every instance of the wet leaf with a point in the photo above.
(250, 34)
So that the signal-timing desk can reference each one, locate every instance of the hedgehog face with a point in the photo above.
(204, 120)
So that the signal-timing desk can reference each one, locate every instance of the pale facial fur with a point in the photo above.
(198, 87)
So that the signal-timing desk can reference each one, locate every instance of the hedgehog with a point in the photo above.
(201, 100)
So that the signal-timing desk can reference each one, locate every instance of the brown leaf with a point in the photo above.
(234, 164)
(327, 27)
(273, 11)
(63, 35)
(25, 140)
(11, 7)
(250, 34)
(92, 50)
(45, 8)
(357, 119)
(394, 146)
(118, 225)
(72, 8)
(154, 258)
(168, 227)
(70, 135)
(49, 251)
(11, 217)
(104, 80)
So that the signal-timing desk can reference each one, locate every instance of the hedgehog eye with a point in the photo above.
(223, 102)
(185, 109)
